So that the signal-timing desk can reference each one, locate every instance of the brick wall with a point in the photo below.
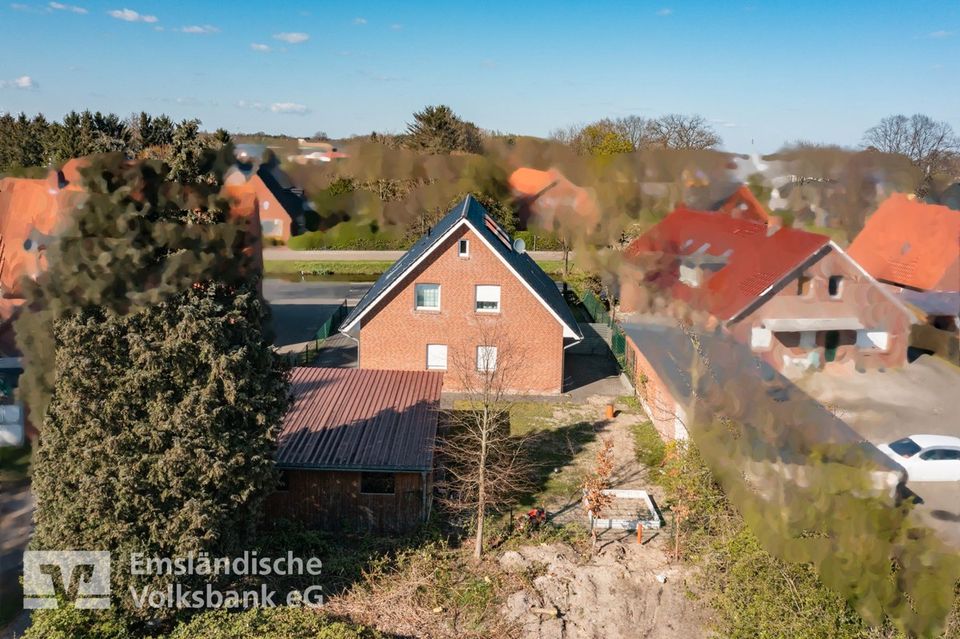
(394, 335)
(667, 416)
(859, 297)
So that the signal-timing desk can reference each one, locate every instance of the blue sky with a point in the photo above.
(762, 72)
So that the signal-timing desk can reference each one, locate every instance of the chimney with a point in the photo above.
(774, 224)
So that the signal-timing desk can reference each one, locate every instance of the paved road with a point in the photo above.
(300, 308)
(281, 254)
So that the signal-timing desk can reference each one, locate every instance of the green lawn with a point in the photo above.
(330, 267)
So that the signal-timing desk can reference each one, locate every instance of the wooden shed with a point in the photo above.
(356, 449)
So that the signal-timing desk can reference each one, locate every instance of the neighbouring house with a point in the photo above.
(309, 151)
(466, 300)
(910, 244)
(33, 212)
(356, 449)
(547, 197)
(749, 421)
(744, 205)
(914, 248)
(282, 207)
(795, 297)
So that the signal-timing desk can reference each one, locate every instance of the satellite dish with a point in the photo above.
(519, 246)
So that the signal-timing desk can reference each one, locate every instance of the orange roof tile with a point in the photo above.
(531, 182)
(743, 204)
(911, 244)
(753, 260)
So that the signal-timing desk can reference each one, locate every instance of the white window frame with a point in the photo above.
(808, 340)
(436, 356)
(461, 245)
(492, 294)
(483, 359)
(873, 340)
(416, 289)
(760, 337)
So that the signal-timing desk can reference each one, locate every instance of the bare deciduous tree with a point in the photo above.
(486, 466)
(595, 498)
(677, 131)
(932, 146)
(635, 129)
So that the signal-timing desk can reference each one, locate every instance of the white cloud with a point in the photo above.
(396, 27)
(291, 38)
(359, 20)
(664, 12)
(289, 107)
(59, 6)
(129, 15)
(200, 29)
(23, 82)
(16, 6)
(262, 48)
(940, 34)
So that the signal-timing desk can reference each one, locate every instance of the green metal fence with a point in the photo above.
(618, 344)
(328, 328)
(333, 322)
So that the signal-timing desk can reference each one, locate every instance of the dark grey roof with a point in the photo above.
(778, 415)
(290, 198)
(484, 225)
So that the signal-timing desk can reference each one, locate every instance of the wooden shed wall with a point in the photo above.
(331, 500)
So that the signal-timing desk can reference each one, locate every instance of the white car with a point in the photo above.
(927, 457)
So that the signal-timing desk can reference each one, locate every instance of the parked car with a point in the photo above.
(927, 457)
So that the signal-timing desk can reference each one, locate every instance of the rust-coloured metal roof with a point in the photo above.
(360, 419)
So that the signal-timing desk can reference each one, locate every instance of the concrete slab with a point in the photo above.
(883, 406)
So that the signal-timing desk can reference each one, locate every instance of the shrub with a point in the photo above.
(648, 445)
(270, 623)
(347, 236)
(539, 241)
(67, 622)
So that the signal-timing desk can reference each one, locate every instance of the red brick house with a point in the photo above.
(796, 298)
(356, 449)
(545, 198)
(465, 300)
(282, 207)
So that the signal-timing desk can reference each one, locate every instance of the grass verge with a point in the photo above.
(370, 267)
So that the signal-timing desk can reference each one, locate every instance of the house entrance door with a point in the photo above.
(830, 341)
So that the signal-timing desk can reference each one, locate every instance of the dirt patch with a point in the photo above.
(626, 590)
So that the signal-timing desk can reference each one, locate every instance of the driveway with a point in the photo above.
(299, 309)
(921, 397)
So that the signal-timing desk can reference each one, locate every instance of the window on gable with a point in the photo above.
(803, 285)
(437, 357)
(463, 248)
(427, 297)
(833, 285)
(488, 299)
(486, 359)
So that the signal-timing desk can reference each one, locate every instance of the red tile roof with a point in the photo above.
(743, 204)
(359, 419)
(755, 261)
(911, 244)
